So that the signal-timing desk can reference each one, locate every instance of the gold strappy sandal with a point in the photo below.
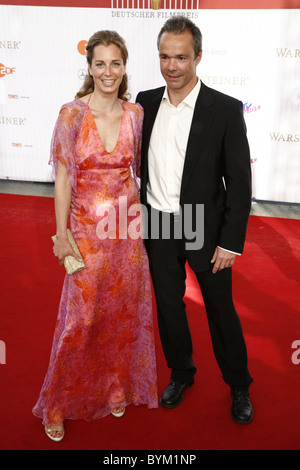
(118, 412)
(57, 429)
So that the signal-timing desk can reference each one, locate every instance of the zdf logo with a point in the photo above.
(81, 47)
(6, 70)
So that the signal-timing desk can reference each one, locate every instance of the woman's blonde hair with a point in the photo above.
(104, 38)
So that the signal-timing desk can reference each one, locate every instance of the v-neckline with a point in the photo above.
(98, 133)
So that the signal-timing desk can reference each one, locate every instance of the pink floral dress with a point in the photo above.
(103, 352)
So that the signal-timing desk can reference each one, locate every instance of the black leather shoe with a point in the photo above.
(173, 394)
(241, 410)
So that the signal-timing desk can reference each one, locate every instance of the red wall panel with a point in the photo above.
(204, 4)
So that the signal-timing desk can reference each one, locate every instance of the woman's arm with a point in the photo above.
(62, 193)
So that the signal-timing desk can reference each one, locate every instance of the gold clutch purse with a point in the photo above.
(71, 264)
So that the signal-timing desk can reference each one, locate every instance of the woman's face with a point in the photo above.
(107, 68)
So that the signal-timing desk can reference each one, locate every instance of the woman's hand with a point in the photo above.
(62, 248)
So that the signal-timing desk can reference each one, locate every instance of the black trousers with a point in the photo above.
(167, 259)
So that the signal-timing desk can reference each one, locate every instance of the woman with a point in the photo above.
(103, 355)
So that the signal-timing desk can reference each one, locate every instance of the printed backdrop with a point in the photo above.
(251, 54)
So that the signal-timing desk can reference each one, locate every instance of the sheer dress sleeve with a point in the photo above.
(63, 141)
(138, 128)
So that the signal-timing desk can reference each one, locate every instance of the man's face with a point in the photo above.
(178, 62)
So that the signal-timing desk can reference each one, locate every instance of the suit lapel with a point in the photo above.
(151, 110)
(150, 116)
(201, 122)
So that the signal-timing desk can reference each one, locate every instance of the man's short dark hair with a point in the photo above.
(177, 25)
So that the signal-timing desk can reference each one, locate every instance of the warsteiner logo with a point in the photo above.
(287, 53)
(279, 137)
(6, 70)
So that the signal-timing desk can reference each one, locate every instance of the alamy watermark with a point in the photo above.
(138, 221)
(296, 354)
(2, 353)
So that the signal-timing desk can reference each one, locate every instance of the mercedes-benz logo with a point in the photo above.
(82, 74)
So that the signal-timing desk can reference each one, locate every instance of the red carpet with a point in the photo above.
(266, 290)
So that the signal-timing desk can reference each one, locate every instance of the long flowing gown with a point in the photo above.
(103, 352)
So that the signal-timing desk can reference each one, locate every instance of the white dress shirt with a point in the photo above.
(167, 149)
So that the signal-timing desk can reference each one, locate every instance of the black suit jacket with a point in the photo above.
(216, 171)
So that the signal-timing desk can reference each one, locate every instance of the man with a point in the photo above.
(195, 153)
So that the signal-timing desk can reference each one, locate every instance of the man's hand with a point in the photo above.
(222, 259)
